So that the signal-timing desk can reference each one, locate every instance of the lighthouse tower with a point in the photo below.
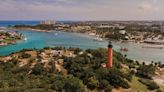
(110, 55)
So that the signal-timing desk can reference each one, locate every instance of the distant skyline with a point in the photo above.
(81, 10)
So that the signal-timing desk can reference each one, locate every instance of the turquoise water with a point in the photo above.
(43, 39)
(83, 41)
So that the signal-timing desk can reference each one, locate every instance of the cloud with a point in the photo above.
(81, 9)
(61, 2)
(150, 5)
(145, 6)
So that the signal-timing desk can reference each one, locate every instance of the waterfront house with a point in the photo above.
(2, 37)
(57, 52)
(105, 25)
(122, 31)
(3, 44)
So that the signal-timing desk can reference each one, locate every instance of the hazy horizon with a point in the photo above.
(82, 10)
(76, 20)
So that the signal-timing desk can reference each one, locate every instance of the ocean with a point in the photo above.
(11, 23)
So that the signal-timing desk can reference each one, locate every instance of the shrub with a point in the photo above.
(159, 90)
(92, 83)
(109, 88)
(74, 84)
(150, 84)
(47, 48)
(103, 84)
(58, 84)
(115, 78)
(25, 55)
(38, 69)
(146, 71)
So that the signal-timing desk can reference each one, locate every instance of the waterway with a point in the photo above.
(42, 39)
(83, 41)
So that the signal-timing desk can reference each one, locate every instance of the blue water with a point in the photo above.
(11, 23)
(43, 39)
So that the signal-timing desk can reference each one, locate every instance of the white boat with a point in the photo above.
(25, 39)
(98, 39)
(92, 34)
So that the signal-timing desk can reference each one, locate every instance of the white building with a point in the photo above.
(105, 25)
(57, 52)
(79, 28)
(47, 22)
(122, 31)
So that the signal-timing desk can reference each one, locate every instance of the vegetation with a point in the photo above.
(39, 26)
(146, 71)
(150, 84)
(135, 84)
(25, 55)
(82, 73)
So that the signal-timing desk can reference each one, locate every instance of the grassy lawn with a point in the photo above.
(136, 85)
(162, 88)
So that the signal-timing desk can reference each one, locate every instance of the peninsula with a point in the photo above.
(7, 38)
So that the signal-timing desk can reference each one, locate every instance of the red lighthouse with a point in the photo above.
(110, 56)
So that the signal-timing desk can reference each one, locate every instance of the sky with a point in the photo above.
(81, 10)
